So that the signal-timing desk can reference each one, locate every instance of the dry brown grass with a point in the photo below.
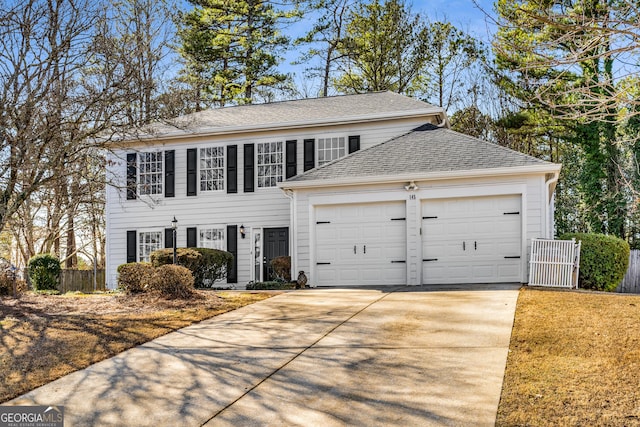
(43, 337)
(574, 361)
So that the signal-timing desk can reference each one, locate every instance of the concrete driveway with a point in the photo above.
(328, 357)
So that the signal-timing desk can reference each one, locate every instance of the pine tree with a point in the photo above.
(231, 48)
(560, 57)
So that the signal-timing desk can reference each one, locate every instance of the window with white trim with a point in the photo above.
(150, 173)
(212, 238)
(330, 149)
(212, 168)
(269, 164)
(148, 241)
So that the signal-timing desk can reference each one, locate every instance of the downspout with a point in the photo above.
(551, 182)
(292, 232)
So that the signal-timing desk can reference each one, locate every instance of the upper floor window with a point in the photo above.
(212, 238)
(269, 164)
(330, 149)
(150, 173)
(148, 242)
(212, 168)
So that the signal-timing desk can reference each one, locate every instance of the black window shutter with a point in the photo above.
(169, 173)
(168, 237)
(309, 154)
(132, 167)
(192, 237)
(292, 153)
(131, 246)
(232, 248)
(232, 169)
(192, 171)
(354, 143)
(249, 168)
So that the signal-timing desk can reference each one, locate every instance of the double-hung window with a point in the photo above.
(212, 168)
(269, 164)
(148, 241)
(212, 238)
(330, 149)
(150, 173)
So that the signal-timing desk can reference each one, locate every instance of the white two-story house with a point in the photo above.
(368, 189)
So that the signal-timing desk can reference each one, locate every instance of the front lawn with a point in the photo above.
(43, 337)
(574, 360)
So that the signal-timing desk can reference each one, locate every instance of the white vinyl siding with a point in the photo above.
(212, 238)
(148, 241)
(150, 173)
(269, 164)
(212, 168)
(330, 149)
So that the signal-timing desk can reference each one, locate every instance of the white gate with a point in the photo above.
(554, 263)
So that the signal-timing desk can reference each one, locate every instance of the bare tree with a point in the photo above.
(57, 102)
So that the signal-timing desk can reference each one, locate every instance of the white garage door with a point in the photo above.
(361, 244)
(472, 240)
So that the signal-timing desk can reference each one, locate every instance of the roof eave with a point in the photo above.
(208, 132)
(430, 176)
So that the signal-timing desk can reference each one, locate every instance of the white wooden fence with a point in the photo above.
(554, 263)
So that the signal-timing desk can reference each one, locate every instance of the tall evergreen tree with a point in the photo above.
(384, 48)
(559, 56)
(232, 47)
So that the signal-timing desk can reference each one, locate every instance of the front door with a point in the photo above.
(276, 243)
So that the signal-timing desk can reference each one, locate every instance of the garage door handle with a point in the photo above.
(354, 249)
(513, 257)
(398, 262)
(364, 248)
(475, 246)
(464, 247)
(430, 259)
(323, 263)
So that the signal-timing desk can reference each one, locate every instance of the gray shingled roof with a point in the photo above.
(336, 108)
(426, 149)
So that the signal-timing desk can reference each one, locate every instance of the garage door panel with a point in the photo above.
(488, 235)
(380, 227)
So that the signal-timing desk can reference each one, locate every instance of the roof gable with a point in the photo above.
(427, 149)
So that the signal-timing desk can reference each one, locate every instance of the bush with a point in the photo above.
(170, 281)
(44, 272)
(603, 260)
(131, 276)
(281, 266)
(206, 265)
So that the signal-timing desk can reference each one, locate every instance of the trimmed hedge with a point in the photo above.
(281, 266)
(131, 276)
(275, 285)
(206, 265)
(44, 272)
(603, 260)
(170, 281)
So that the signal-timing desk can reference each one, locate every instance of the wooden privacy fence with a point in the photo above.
(81, 280)
(554, 263)
(631, 281)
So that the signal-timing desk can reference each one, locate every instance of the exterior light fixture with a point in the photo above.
(412, 186)
(242, 231)
(174, 227)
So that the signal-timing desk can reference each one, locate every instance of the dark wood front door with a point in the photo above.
(276, 243)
